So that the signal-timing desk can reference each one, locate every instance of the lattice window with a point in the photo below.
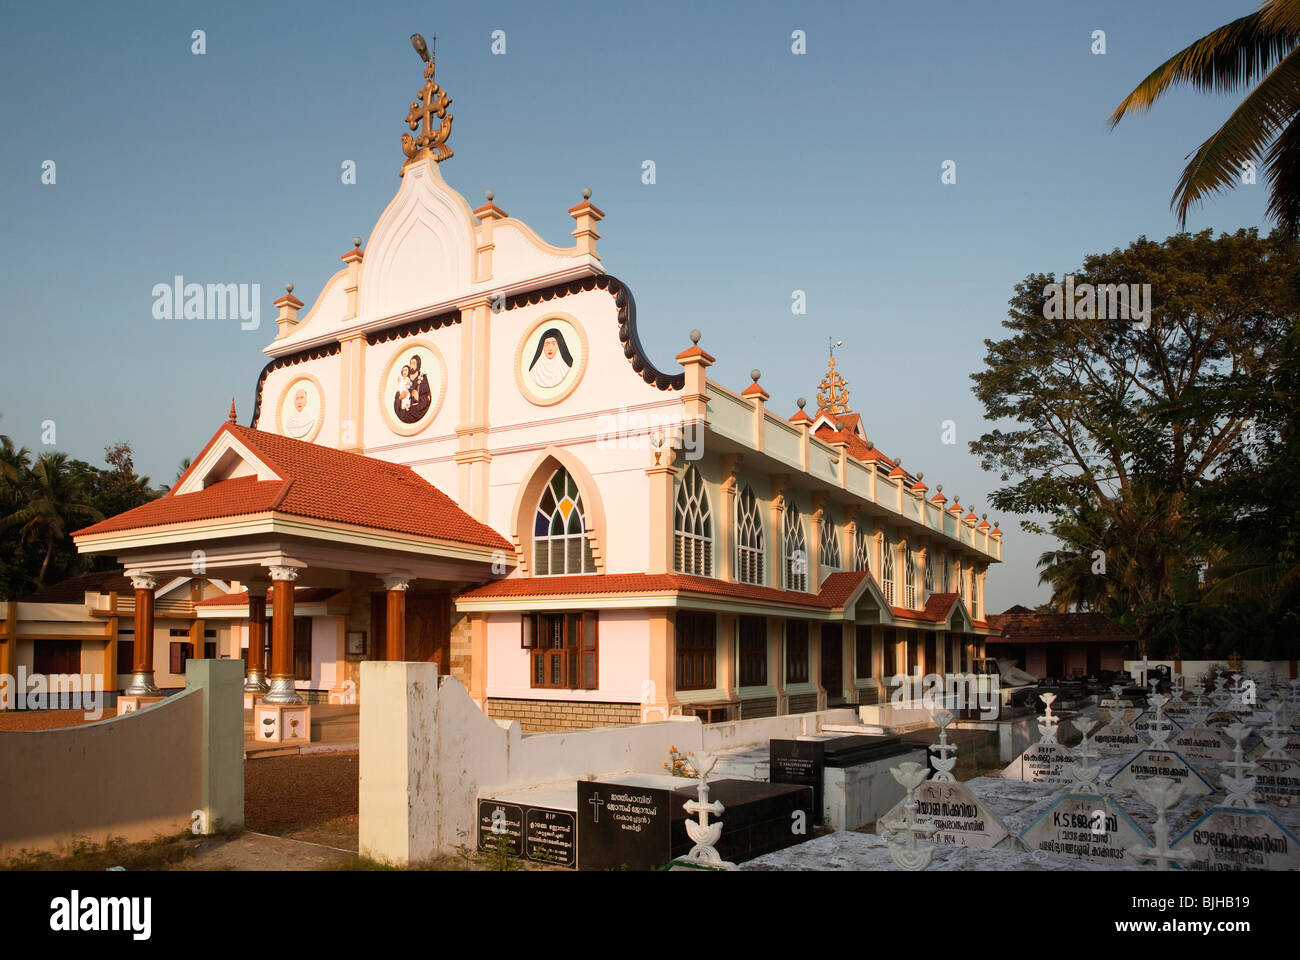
(909, 578)
(796, 550)
(560, 542)
(693, 527)
(929, 573)
(861, 549)
(887, 571)
(830, 558)
(749, 538)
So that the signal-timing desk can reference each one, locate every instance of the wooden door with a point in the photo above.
(833, 662)
(428, 628)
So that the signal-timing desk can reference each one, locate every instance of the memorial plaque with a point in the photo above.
(549, 836)
(958, 813)
(1118, 738)
(1161, 763)
(1202, 743)
(1277, 781)
(623, 827)
(1143, 724)
(497, 819)
(800, 762)
(1178, 709)
(1233, 838)
(1220, 719)
(1041, 763)
(1082, 827)
(1292, 748)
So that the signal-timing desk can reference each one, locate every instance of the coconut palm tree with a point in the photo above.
(1257, 52)
(53, 502)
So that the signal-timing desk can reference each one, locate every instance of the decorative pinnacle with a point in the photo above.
(288, 288)
(920, 475)
(586, 193)
(233, 419)
(801, 403)
(431, 104)
(938, 488)
(356, 242)
(695, 336)
(755, 374)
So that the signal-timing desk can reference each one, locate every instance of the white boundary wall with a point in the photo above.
(428, 753)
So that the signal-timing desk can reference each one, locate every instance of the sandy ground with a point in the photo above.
(45, 719)
(311, 798)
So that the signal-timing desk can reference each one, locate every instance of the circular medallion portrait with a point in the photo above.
(412, 387)
(551, 358)
(301, 410)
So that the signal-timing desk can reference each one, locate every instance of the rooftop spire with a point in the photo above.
(432, 102)
(833, 391)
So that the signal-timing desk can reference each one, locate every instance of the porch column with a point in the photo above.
(282, 686)
(395, 629)
(142, 668)
(255, 679)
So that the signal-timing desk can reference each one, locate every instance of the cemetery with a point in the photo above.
(828, 791)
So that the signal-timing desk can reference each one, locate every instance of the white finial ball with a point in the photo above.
(755, 374)
(802, 403)
(489, 195)
(288, 287)
(695, 336)
(586, 193)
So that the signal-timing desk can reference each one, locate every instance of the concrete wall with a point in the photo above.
(427, 753)
(136, 777)
(1194, 670)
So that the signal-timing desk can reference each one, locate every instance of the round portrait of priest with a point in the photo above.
(550, 359)
(301, 410)
(412, 387)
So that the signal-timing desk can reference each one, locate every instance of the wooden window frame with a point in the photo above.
(572, 665)
(695, 650)
(797, 668)
(753, 661)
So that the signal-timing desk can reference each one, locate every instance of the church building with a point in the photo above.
(461, 453)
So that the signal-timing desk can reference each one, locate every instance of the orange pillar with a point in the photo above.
(142, 669)
(255, 678)
(395, 627)
(282, 684)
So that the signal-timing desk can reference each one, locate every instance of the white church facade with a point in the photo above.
(461, 453)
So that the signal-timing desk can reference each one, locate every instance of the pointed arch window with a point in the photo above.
(929, 574)
(887, 571)
(749, 538)
(796, 549)
(830, 556)
(909, 578)
(693, 527)
(861, 550)
(943, 574)
(560, 543)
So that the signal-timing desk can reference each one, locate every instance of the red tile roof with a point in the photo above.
(1019, 625)
(936, 609)
(319, 483)
(835, 592)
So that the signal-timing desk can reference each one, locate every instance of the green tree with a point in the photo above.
(1106, 426)
(1258, 53)
(53, 504)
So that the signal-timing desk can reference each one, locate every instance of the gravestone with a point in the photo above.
(1201, 743)
(958, 816)
(541, 834)
(759, 818)
(1232, 838)
(1170, 764)
(497, 820)
(1147, 724)
(623, 827)
(1277, 781)
(1041, 763)
(1084, 827)
(1117, 736)
(800, 762)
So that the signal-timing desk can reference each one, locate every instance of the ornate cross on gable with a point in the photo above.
(432, 104)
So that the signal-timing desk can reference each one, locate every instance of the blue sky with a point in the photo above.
(774, 173)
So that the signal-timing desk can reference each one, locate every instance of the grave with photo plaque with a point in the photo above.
(1233, 838)
(1085, 827)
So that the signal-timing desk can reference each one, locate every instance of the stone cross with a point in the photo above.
(904, 852)
(705, 834)
(943, 763)
(1160, 728)
(1116, 714)
(1240, 785)
(1047, 726)
(1162, 793)
(1145, 667)
(1176, 686)
(1083, 772)
(1154, 685)
(1275, 733)
(1219, 696)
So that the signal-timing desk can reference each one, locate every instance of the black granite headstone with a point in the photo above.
(623, 827)
(549, 836)
(799, 762)
(497, 820)
(759, 817)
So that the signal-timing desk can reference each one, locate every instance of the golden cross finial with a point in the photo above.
(432, 103)
(833, 391)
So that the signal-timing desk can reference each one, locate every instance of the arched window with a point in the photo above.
(943, 574)
(961, 582)
(887, 571)
(796, 550)
(693, 527)
(909, 578)
(560, 543)
(830, 558)
(929, 573)
(861, 549)
(749, 539)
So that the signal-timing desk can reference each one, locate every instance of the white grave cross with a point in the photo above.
(1047, 726)
(705, 834)
(1083, 772)
(1240, 785)
(943, 763)
(904, 853)
(1162, 793)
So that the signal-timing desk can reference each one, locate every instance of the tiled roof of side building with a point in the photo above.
(74, 589)
(1019, 625)
(318, 483)
(835, 591)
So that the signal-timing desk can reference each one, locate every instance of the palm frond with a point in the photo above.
(1222, 61)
